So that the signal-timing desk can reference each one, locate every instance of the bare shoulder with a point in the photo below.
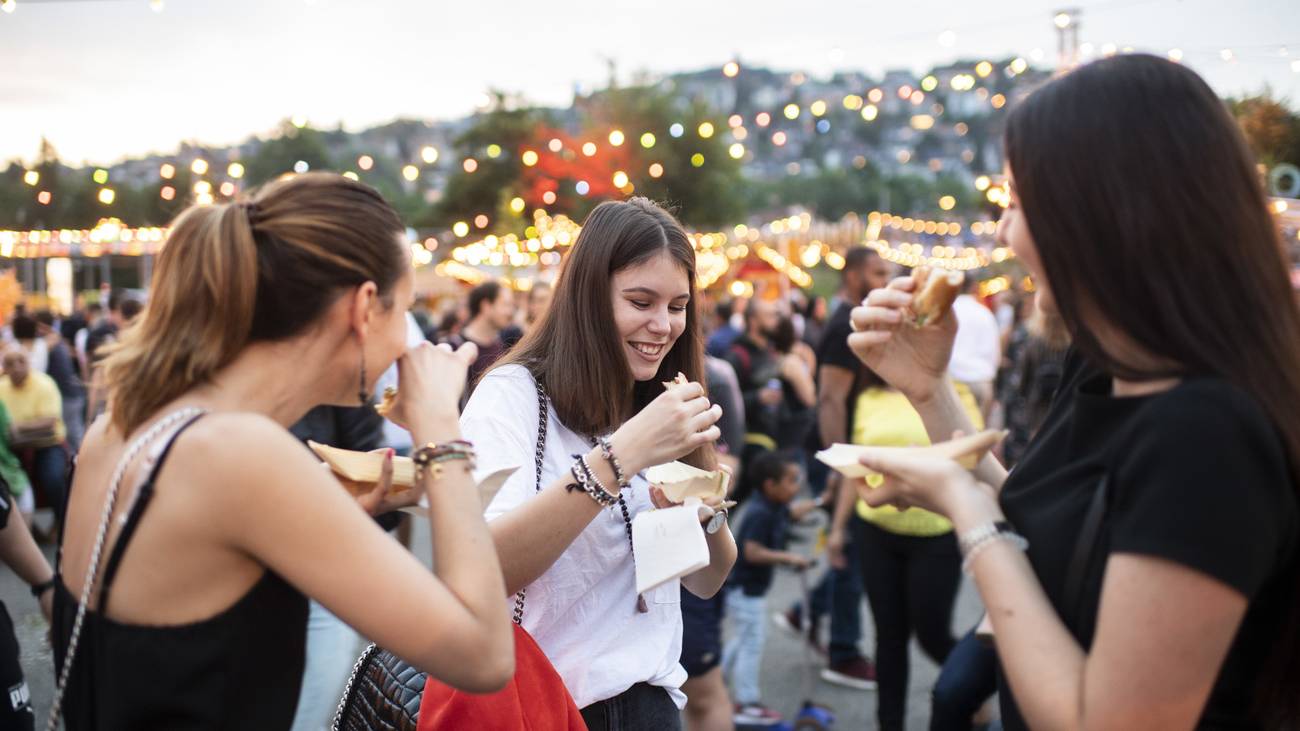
(235, 452)
(226, 431)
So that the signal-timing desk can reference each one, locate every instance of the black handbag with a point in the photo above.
(384, 692)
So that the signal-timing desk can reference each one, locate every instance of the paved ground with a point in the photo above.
(784, 667)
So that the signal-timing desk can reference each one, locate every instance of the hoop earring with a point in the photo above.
(361, 391)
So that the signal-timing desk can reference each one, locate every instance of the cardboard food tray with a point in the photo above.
(365, 466)
(966, 451)
(680, 481)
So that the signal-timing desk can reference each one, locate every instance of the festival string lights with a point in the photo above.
(790, 246)
(109, 236)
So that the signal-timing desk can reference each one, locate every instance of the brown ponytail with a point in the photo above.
(261, 270)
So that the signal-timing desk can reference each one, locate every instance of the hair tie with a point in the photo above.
(250, 208)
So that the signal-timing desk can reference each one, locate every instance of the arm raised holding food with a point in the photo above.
(531, 537)
(905, 333)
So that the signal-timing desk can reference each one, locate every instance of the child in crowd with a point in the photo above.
(761, 540)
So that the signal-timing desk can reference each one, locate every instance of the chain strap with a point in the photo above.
(641, 606)
(538, 457)
(352, 680)
(92, 569)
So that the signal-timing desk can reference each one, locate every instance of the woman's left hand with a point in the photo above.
(713, 502)
(939, 485)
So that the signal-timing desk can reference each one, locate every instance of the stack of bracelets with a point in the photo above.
(586, 480)
(975, 540)
(430, 457)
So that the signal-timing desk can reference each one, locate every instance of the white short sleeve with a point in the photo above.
(501, 420)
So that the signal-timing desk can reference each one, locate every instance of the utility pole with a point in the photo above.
(1067, 38)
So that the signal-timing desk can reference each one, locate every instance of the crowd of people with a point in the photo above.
(1134, 539)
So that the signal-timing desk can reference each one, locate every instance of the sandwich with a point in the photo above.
(936, 290)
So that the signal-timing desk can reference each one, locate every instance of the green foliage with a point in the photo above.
(489, 188)
(279, 154)
(1272, 129)
(704, 197)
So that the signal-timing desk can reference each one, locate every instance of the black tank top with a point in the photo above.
(241, 669)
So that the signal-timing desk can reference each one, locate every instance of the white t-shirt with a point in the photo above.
(977, 350)
(582, 611)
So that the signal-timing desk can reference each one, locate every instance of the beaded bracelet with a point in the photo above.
(588, 483)
(430, 457)
(592, 485)
(974, 542)
(607, 451)
(980, 533)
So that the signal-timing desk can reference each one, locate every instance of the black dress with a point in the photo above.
(1196, 475)
(240, 669)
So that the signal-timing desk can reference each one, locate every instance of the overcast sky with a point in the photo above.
(106, 79)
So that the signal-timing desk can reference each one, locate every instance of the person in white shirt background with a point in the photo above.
(621, 323)
(977, 351)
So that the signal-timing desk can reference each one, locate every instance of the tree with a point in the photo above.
(278, 155)
(707, 195)
(1272, 129)
(696, 175)
(495, 178)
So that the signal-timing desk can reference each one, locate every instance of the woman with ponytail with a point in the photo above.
(197, 525)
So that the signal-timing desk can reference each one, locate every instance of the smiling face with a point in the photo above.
(649, 305)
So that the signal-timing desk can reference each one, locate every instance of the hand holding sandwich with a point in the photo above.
(909, 350)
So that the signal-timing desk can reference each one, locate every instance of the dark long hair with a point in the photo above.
(1149, 216)
(575, 350)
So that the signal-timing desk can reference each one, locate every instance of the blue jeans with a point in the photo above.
(968, 678)
(332, 650)
(743, 655)
(50, 470)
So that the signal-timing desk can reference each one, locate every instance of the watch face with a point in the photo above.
(715, 523)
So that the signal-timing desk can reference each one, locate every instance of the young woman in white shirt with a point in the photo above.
(621, 324)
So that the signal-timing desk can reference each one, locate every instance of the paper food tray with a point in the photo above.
(668, 544)
(365, 466)
(680, 481)
(966, 451)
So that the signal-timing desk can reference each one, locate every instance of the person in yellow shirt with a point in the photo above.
(911, 567)
(36, 410)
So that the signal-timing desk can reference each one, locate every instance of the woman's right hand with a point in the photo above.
(911, 359)
(431, 379)
(672, 426)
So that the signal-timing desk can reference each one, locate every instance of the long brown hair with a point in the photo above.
(237, 273)
(575, 350)
(1147, 212)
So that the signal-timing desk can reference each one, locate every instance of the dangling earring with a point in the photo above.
(365, 397)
